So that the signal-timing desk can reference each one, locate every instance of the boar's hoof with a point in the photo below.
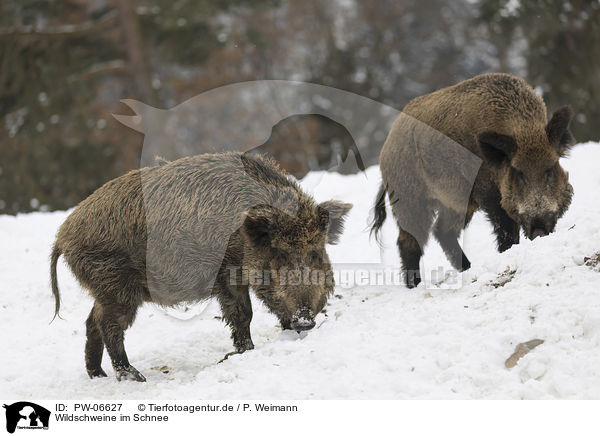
(412, 278)
(245, 345)
(466, 264)
(96, 373)
(129, 373)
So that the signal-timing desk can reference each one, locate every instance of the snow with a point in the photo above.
(376, 341)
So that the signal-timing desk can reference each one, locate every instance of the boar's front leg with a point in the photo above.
(505, 228)
(237, 313)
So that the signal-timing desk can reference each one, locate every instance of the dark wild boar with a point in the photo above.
(519, 184)
(194, 228)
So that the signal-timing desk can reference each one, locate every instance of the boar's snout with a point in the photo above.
(540, 226)
(303, 319)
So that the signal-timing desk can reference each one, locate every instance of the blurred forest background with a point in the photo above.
(65, 64)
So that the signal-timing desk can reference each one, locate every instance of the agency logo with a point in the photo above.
(26, 415)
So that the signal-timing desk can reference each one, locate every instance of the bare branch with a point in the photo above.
(65, 30)
(115, 66)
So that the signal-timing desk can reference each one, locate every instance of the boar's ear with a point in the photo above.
(258, 227)
(335, 212)
(558, 131)
(497, 149)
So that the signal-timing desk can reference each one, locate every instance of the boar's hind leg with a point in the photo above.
(114, 319)
(410, 253)
(94, 346)
(413, 214)
(237, 313)
(447, 230)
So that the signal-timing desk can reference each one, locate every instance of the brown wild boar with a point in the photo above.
(201, 226)
(519, 183)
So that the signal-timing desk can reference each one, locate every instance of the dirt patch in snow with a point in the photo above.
(504, 278)
(593, 262)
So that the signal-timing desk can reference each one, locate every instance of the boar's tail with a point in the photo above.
(54, 279)
(380, 213)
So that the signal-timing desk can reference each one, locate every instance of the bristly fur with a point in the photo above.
(379, 213)
(161, 161)
(520, 183)
(183, 231)
(558, 130)
(497, 148)
(334, 219)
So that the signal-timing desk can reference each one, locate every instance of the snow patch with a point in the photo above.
(372, 342)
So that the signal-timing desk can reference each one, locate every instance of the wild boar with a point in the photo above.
(519, 182)
(201, 226)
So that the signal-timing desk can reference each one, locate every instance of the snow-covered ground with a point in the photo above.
(375, 342)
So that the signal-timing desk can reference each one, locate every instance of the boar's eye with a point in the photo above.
(283, 256)
(519, 176)
(550, 174)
